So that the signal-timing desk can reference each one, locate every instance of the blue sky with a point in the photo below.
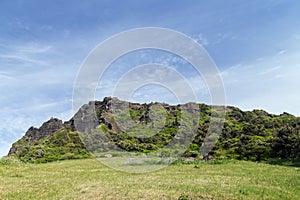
(255, 45)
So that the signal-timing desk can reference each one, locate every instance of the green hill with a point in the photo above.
(96, 128)
(61, 145)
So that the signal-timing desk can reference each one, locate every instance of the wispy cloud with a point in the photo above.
(40, 55)
(270, 83)
(270, 70)
(226, 36)
(35, 88)
(160, 78)
(296, 36)
(22, 58)
(201, 40)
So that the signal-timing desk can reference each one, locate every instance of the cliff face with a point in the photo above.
(87, 119)
(91, 115)
(47, 128)
(35, 134)
(251, 135)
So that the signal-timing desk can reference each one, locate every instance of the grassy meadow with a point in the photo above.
(89, 179)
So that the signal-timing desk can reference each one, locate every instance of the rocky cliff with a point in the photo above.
(249, 135)
(35, 134)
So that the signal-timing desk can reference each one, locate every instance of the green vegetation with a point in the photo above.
(259, 136)
(63, 144)
(228, 174)
(253, 136)
(89, 179)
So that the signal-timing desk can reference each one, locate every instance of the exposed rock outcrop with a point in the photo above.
(35, 134)
(88, 117)
(101, 126)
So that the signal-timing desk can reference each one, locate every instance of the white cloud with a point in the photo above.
(270, 70)
(296, 36)
(4, 148)
(220, 37)
(34, 86)
(201, 40)
(24, 56)
(15, 121)
(27, 48)
(271, 83)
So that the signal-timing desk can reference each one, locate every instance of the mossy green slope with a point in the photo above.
(247, 135)
(63, 144)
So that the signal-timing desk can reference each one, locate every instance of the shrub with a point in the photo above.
(10, 160)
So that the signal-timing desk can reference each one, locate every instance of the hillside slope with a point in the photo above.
(252, 135)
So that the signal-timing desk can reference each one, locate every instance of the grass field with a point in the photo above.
(89, 179)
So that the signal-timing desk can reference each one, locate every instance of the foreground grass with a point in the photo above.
(89, 179)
